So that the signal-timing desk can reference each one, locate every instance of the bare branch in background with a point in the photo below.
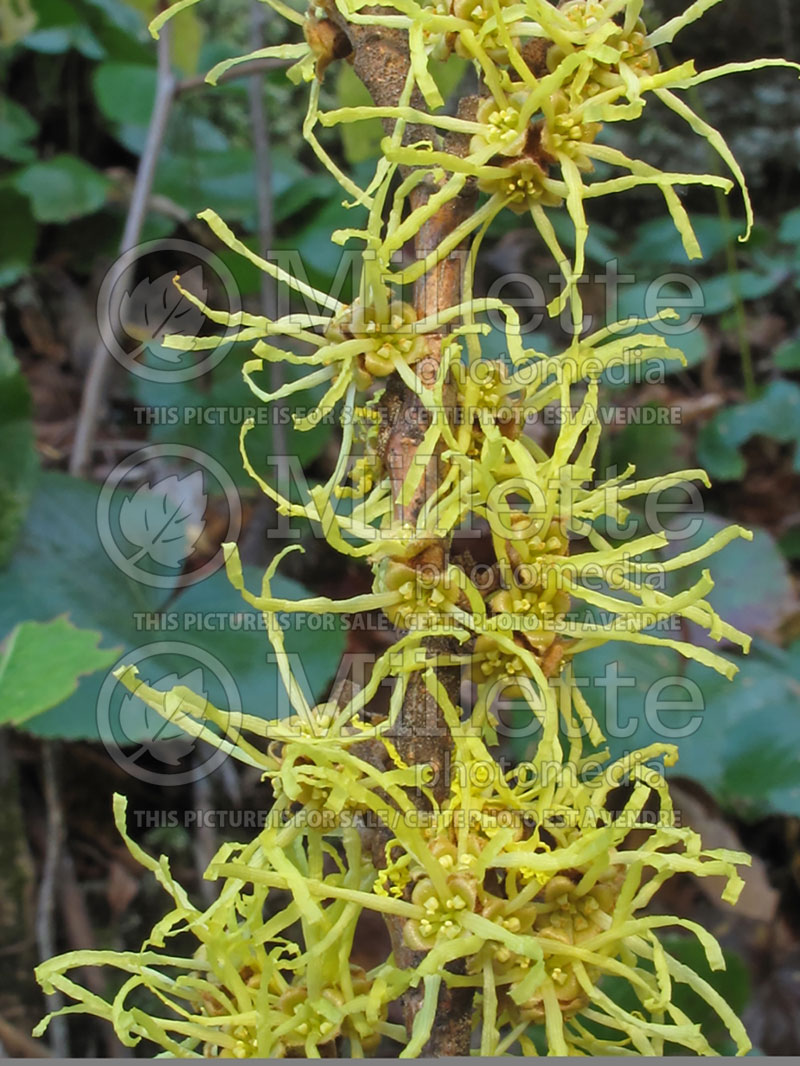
(252, 543)
(242, 70)
(45, 938)
(102, 363)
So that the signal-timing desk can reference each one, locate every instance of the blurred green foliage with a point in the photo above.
(77, 93)
(17, 456)
(49, 575)
(78, 83)
(26, 689)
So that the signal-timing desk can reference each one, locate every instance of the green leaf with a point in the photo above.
(738, 738)
(494, 344)
(775, 414)
(16, 129)
(789, 230)
(241, 643)
(732, 983)
(653, 447)
(18, 462)
(62, 188)
(758, 605)
(686, 333)
(41, 663)
(600, 242)
(202, 168)
(790, 543)
(19, 237)
(123, 16)
(724, 292)
(295, 192)
(121, 29)
(360, 140)
(125, 92)
(787, 357)
(294, 189)
(320, 256)
(207, 414)
(718, 454)
(647, 694)
(60, 27)
(195, 178)
(60, 567)
(60, 39)
(246, 275)
(658, 242)
(755, 766)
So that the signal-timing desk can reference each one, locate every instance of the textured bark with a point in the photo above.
(381, 59)
(420, 732)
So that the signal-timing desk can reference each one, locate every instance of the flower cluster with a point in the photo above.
(528, 891)
(540, 906)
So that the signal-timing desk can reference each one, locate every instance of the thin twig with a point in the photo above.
(101, 364)
(263, 515)
(787, 27)
(205, 842)
(262, 154)
(17, 1044)
(80, 934)
(45, 938)
(241, 70)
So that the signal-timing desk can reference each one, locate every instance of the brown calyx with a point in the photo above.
(327, 41)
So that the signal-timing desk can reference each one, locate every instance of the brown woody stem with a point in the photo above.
(381, 59)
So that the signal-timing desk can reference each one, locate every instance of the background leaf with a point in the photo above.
(738, 739)
(752, 588)
(211, 410)
(17, 127)
(775, 414)
(18, 461)
(163, 519)
(125, 92)
(60, 26)
(19, 236)
(49, 575)
(62, 188)
(41, 663)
